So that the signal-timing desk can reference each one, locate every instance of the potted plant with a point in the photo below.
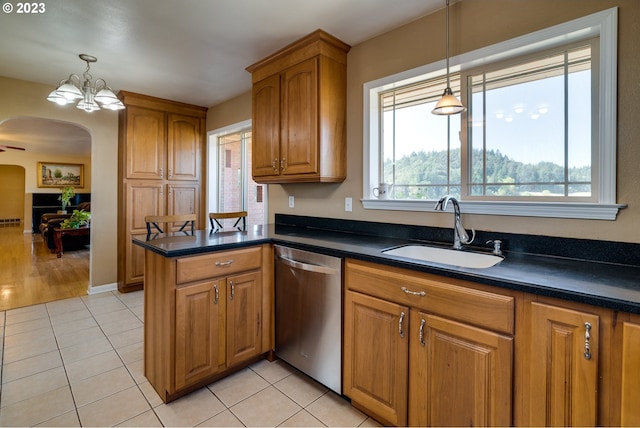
(78, 218)
(65, 197)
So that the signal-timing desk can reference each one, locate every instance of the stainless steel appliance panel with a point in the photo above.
(308, 314)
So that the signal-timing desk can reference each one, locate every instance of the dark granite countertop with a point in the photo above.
(606, 284)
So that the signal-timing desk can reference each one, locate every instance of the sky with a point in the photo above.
(526, 125)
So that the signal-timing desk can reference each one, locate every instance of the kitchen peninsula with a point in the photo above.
(188, 277)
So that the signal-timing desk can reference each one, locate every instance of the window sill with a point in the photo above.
(518, 209)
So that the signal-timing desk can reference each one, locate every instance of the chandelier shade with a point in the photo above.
(90, 96)
(449, 103)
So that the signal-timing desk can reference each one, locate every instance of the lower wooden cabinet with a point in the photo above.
(376, 350)
(244, 317)
(625, 374)
(199, 331)
(414, 357)
(205, 315)
(459, 375)
(562, 356)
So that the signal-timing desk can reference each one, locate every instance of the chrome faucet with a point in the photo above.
(459, 234)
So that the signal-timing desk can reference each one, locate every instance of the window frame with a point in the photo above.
(601, 24)
(213, 170)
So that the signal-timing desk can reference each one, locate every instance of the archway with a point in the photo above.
(27, 142)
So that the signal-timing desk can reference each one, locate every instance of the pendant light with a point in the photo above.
(448, 103)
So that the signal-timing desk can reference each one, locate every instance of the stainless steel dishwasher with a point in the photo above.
(308, 295)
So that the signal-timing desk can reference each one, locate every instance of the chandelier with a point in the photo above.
(90, 96)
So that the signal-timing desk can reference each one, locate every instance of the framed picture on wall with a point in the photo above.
(56, 174)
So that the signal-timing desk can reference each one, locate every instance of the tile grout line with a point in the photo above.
(64, 367)
(137, 385)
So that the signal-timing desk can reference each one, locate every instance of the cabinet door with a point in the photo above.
(145, 146)
(376, 356)
(299, 134)
(266, 127)
(143, 197)
(183, 147)
(183, 198)
(199, 309)
(244, 317)
(563, 367)
(630, 410)
(459, 375)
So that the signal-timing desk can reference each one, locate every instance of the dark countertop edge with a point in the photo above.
(453, 272)
(202, 250)
(368, 248)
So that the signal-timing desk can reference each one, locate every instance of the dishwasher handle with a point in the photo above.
(307, 266)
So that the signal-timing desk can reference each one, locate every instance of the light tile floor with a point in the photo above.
(79, 362)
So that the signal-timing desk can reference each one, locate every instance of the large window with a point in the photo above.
(538, 137)
(230, 185)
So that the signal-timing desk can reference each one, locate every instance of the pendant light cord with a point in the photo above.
(447, 43)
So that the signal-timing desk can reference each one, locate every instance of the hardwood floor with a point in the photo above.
(30, 274)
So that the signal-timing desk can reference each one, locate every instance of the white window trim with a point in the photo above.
(603, 24)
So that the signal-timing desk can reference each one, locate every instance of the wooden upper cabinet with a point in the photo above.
(299, 112)
(266, 127)
(183, 147)
(146, 150)
(299, 139)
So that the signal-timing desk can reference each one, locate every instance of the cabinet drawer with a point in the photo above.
(215, 265)
(452, 298)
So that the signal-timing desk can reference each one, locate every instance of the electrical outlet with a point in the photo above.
(291, 201)
(348, 204)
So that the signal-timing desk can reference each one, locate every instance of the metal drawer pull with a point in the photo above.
(215, 287)
(414, 293)
(233, 290)
(421, 336)
(587, 340)
(227, 263)
(401, 330)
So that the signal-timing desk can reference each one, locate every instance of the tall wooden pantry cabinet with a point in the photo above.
(160, 165)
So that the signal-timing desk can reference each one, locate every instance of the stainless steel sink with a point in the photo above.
(445, 256)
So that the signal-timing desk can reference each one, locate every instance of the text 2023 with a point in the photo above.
(30, 8)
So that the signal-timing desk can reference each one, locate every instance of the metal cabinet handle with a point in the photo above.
(413, 293)
(170, 173)
(233, 290)
(283, 164)
(161, 173)
(421, 335)
(587, 340)
(400, 329)
(274, 165)
(215, 287)
(227, 263)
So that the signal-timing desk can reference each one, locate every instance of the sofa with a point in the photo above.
(50, 221)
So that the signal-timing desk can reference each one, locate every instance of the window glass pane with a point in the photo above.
(230, 172)
(579, 133)
(519, 131)
(418, 156)
(236, 190)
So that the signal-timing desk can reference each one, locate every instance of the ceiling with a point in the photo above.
(194, 51)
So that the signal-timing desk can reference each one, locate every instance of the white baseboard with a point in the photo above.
(102, 288)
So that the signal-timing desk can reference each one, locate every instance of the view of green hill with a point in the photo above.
(423, 175)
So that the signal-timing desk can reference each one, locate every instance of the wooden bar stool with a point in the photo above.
(156, 220)
(216, 226)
